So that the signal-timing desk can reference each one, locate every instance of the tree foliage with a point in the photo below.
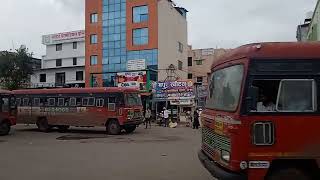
(15, 69)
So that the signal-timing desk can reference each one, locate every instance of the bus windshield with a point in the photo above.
(133, 100)
(225, 88)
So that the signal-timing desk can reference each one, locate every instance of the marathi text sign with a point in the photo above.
(138, 64)
(174, 90)
(173, 85)
(65, 37)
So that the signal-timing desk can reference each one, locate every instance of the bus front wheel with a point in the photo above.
(290, 173)
(43, 125)
(4, 128)
(130, 129)
(113, 127)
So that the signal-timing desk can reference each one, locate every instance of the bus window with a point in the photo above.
(5, 104)
(100, 102)
(36, 102)
(297, 96)
(267, 95)
(73, 101)
(18, 101)
(88, 101)
(25, 102)
(112, 104)
(133, 99)
(51, 102)
(60, 102)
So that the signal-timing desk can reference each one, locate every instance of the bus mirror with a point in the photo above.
(252, 99)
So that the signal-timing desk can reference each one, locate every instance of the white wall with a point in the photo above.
(172, 29)
(51, 76)
(67, 54)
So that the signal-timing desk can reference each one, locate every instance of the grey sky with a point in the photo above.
(212, 23)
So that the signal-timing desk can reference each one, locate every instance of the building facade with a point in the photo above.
(314, 27)
(302, 29)
(64, 62)
(128, 39)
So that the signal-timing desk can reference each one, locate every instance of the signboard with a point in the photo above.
(132, 79)
(63, 37)
(135, 65)
(182, 102)
(174, 90)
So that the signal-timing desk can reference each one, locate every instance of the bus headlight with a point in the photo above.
(225, 155)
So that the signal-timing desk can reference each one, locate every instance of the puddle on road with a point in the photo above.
(78, 137)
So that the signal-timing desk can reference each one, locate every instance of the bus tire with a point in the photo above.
(289, 173)
(113, 127)
(43, 125)
(63, 128)
(130, 129)
(4, 128)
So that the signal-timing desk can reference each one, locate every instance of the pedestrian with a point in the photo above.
(166, 117)
(148, 118)
(196, 122)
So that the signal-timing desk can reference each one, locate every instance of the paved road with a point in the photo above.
(88, 154)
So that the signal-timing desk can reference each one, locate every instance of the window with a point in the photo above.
(93, 39)
(36, 102)
(180, 45)
(94, 18)
(88, 101)
(25, 102)
(4, 105)
(51, 102)
(190, 76)
(189, 61)
(75, 45)
(297, 96)
(140, 36)
(199, 79)
(58, 62)
(180, 65)
(140, 14)
(199, 62)
(43, 78)
(58, 47)
(73, 101)
(79, 76)
(224, 89)
(75, 61)
(112, 104)
(94, 60)
(100, 102)
(60, 102)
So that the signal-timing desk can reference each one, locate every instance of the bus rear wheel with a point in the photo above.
(290, 173)
(130, 129)
(4, 128)
(113, 127)
(43, 125)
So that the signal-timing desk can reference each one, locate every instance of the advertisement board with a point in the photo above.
(63, 37)
(137, 64)
(173, 90)
(132, 79)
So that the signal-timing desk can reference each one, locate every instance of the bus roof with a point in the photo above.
(5, 91)
(75, 90)
(272, 50)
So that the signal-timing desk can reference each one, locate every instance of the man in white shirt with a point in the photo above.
(166, 117)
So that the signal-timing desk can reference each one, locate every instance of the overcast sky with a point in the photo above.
(212, 23)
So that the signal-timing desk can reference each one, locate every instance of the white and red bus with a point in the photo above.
(113, 108)
(7, 112)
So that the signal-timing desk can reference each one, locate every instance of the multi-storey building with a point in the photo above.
(63, 64)
(314, 27)
(132, 38)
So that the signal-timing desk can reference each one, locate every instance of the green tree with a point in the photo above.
(15, 69)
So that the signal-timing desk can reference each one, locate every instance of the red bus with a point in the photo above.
(113, 108)
(262, 118)
(7, 112)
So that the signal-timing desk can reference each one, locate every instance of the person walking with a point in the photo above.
(166, 117)
(148, 118)
(196, 122)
